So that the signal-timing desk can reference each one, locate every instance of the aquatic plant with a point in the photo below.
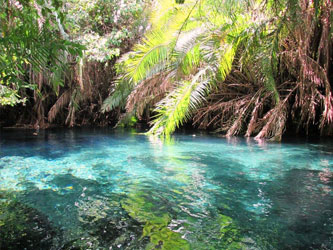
(229, 234)
(155, 223)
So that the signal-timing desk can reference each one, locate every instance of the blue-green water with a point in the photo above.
(99, 189)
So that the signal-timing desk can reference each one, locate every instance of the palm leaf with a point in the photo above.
(177, 107)
(62, 101)
(118, 97)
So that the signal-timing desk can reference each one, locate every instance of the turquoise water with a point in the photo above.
(100, 189)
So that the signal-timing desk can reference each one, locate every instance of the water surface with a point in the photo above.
(101, 189)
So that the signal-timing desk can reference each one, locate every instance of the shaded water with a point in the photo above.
(99, 189)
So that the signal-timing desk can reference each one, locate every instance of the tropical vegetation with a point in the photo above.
(58, 56)
(246, 67)
(239, 67)
(30, 44)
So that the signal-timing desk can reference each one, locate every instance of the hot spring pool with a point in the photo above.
(100, 189)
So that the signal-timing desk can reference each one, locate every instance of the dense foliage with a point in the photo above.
(250, 67)
(29, 44)
(64, 52)
(106, 28)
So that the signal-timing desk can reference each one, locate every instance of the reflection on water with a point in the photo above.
(99, 189)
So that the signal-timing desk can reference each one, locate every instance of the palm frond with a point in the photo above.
(118, 97)
(145, 60)
(149, 92)
(177, 107)
(62, 101)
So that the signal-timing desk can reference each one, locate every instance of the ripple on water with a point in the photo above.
(97, 189)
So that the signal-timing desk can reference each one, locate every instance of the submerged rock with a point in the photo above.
(120, 231)
(23, 227)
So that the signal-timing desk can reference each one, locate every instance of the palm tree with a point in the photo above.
(208, 62)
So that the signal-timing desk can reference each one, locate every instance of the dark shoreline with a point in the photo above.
(287, 138)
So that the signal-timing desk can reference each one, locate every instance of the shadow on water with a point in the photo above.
(55, 143)
(291, 211)
(80, 216)
(302, 205)
(23, 227)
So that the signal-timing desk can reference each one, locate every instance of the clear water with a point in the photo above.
(100, 189)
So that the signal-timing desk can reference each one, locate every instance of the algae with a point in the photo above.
(155, 223)
(23, 227)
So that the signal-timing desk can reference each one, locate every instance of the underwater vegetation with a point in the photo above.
(134, 223)
(23, 227)
(155, 223)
